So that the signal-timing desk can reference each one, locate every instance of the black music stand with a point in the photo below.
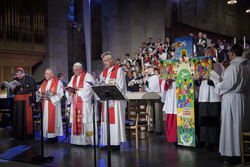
(106, 93)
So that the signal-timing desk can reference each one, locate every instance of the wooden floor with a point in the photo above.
(159, 154)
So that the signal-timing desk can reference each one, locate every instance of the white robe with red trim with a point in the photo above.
(117, 130)
(56, 101)
(86, 93)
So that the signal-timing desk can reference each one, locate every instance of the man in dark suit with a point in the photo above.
(200, 45)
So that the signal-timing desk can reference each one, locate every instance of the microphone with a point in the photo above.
(104, 79)
(107, 76)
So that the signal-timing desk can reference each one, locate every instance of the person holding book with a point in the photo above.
(52, 117)
(80, 94)
(23, 127)
(209, 106)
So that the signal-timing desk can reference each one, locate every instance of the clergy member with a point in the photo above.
(22, 112)
(113, 75)
(81, 111)
(209, 106)
(169, 100)
(152, 82)
(235, 117)
(52, 117)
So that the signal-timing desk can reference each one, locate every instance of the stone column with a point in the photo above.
(56, 40)
(112, 26)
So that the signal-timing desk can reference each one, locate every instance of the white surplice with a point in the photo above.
(153, 84)
(86, 94)
(169, 98)
(235, 117)
(56, 101)
(209, 93)
(117, 130)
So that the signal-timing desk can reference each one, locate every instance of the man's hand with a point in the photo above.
(70, 89)
(206, 77)
(47, 98)
(13, 88)
(173, 78)
(32, 104)
(38, 92)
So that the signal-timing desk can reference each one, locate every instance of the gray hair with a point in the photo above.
(108, 53)
(78, 64)
(50, 69)
(246, 53)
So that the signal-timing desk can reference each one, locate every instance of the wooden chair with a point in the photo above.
(242, 142)
(65, 119)
(137, 111)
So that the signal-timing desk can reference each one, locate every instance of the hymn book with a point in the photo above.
(11, 84)
(214, 77)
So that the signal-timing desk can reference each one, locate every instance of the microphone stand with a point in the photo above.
(93, 105)
(41, 158)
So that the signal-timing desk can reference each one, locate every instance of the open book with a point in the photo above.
(11, 84)
(214, 76)
(47, 94)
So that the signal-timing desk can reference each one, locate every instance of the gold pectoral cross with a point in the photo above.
(79, 116)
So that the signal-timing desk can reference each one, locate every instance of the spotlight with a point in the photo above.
(248, 11)
(231, 2)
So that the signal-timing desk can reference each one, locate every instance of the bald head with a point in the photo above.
(49, 74)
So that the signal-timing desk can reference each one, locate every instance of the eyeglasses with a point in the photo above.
(105, 60)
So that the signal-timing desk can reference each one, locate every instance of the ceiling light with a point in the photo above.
(231, 2)
(248, 10)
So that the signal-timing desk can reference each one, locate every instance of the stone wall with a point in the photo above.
(126, 24)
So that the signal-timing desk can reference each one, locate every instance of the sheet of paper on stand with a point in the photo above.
(12, 84)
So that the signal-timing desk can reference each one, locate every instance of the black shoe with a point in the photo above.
(209, 147)
(115, 148)
(227, 160)
(53, 140)
(48, 140)
(88, 145)
(104, 148)
(174, 145)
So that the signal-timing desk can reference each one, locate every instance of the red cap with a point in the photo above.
(20, 68)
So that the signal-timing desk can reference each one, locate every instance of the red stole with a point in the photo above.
(113, 75)
(51, 107)
(77, 108)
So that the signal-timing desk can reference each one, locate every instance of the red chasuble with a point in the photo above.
(113, 76)
(51, 107)
(77, 108)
